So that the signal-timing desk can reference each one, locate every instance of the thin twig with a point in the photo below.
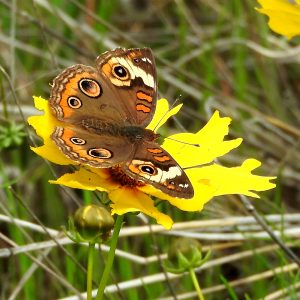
(279, 293)
(251, 209)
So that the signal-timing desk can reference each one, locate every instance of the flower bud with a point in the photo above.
(91, 223)
(184, 254)
(11, 135)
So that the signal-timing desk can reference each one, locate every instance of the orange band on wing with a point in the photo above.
(171, 187)
(154, 150)
(143, 108)
(107, 70)
(134, 169)
(162, 158)
(143, 96)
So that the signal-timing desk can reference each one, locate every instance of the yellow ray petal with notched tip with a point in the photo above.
(86, 179)
(205, 145)
(215, 180)
(162, 114)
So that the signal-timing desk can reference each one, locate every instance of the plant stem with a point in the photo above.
(89, 278)
(110, 258)
(196, 283)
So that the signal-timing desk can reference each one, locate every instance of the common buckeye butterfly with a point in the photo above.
(105, 111)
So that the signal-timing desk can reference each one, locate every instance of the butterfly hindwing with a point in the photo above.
(95, 150)
(154, 165)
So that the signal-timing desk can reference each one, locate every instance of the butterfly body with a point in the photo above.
(104, 112)
(133, 133)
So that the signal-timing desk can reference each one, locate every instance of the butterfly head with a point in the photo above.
(136, 134)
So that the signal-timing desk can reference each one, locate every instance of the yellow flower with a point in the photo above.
(284, 16)
(208, 180)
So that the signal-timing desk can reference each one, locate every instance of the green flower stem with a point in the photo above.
(196, 283)
(89, 278)
(110, 258)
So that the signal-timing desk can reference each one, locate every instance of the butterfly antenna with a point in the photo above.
(171, 107)
(198, 166)
(181, 142)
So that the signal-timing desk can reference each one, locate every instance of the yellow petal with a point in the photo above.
(162, 114)
(216, 180)
(132, 200)
(50, 152)
(284, 16)
(44, 126)
(240, 180)
(85, 179)
(210, 141)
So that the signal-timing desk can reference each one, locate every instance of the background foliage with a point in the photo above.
(209, 54)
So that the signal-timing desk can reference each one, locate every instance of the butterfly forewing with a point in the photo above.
(132, 73)
(80, 92)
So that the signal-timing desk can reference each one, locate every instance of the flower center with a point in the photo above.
(119, 176)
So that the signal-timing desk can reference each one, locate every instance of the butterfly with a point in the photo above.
(104, 111)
